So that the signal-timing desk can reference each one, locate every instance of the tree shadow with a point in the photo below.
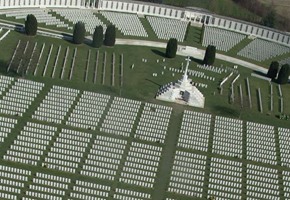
(196, 37)
(226, 111)
(198, 61)
(159, 53)
(260, 73)
(67, 37)
(153, 82)
(258, 100)
(276, 81)
(12, 72)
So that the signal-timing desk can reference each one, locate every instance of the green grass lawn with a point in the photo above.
(139, 84)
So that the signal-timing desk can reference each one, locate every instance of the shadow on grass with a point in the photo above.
(196, 37)
(153, 82)
(226, 111)
(159, 53)
(260, 73)
(3, 69)
(258, 100)
(198, 61)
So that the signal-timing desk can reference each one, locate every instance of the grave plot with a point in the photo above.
(5, 82)
(86, 16)
(286, 183)
(6, 126)
(95, 73)
(166, 28)
(225, 179)
(19, 97)
(141, 165)
(88, 110)
(47, 186)
(30, 144)
(104, 70)
(104, 158)
(55, 62)
(25, 58)
(281, 100)
(11, 65)
(261, 50)
(262, 182)
(56, 104)
(121, 116)
(128, 24)
(40, 59)
(284, 145)
(12, 181)
(187, 175)
(113, 71)
(222, 39)
(73, 63)
(42, 16)
(66, 64)
(87, 66)
(67, 151)
(261, 145)
(32, 59)
(228, 137)
(130, 194)
(59, 62)
(3, 33)
(44, 72)
(89, 191)
(194, 131)
(18, 55)
(153, 123)
(121, 74)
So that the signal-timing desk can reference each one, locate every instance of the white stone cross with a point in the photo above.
(186, 69)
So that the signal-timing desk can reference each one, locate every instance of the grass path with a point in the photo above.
(168, 153)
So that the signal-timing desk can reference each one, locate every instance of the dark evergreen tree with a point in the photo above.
(171, 48)
(110, 35)
(79, 33)
(273, 70)
(209, 56)
(98, 37)
(284, 74)
(31, 25)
